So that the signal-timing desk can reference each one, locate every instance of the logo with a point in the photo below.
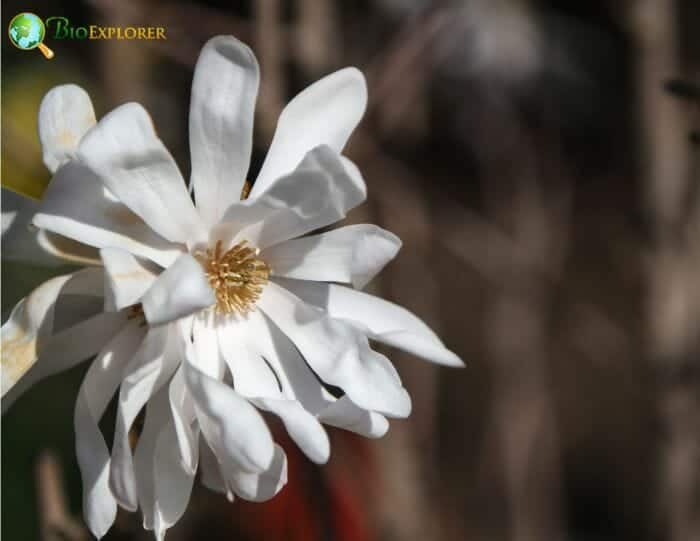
(62, 28)
(27, 32)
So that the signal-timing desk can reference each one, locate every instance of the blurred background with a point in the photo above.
(537, 159)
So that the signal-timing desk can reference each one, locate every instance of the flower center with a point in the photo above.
(236, 276)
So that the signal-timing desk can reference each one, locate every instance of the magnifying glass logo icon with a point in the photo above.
(27, 31)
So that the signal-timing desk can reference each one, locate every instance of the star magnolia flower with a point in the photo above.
(215, 311)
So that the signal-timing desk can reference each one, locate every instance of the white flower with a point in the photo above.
(215, 311)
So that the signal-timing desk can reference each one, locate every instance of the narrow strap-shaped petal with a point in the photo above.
(343, 413)
(296, 378)
(303, 427)
(173, 482)
(76, 205)
(298, 381)
(180, 290)
(31, 321)
(67, 249)
(66, 349)
(338, 353)
(319, 192)
(20, 241)
(210, 471)
(164, 485)
(100, 383)
(222, 107)
(157, 415)
(254, 379)
(325, 113)
(126, 278)
(258, 487)
(145, 374)
(381, 320)
(206, 345)
(184, 418)
(133, 164)
(24, 243)
(65, 114)
(352, 254)
(241, 440)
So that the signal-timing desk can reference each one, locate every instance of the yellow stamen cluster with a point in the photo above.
(236, 276)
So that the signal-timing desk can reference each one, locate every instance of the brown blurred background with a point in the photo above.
(544, 182)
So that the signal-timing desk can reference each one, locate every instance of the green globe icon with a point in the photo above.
(27, 32)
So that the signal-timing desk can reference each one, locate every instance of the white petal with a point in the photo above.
(31, 322)
(206, 349)
(66, 249)
(157, 415)
(76, 205)
(316, 194)
(65, 114)
(239, 440)
(325, 113)
(30, 317)
(251, 375)
(16, 209)
(164, 486)
(152, 365)
(338, 353)
(100, 383)
(353, 254)
(64, 350)
(302, 426)
(296, 378)
(382, 320)
(173, 483)
(254, 379)
(73, 345)
(344, 414)
(126, 278)
(206, 345)
(259, 487)
(73, 309)
(19, 238)
(133, 164)
(186, 429)
(298, 381)
(180, 290)
(210, 471)
(22, 241)
(222, 106)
